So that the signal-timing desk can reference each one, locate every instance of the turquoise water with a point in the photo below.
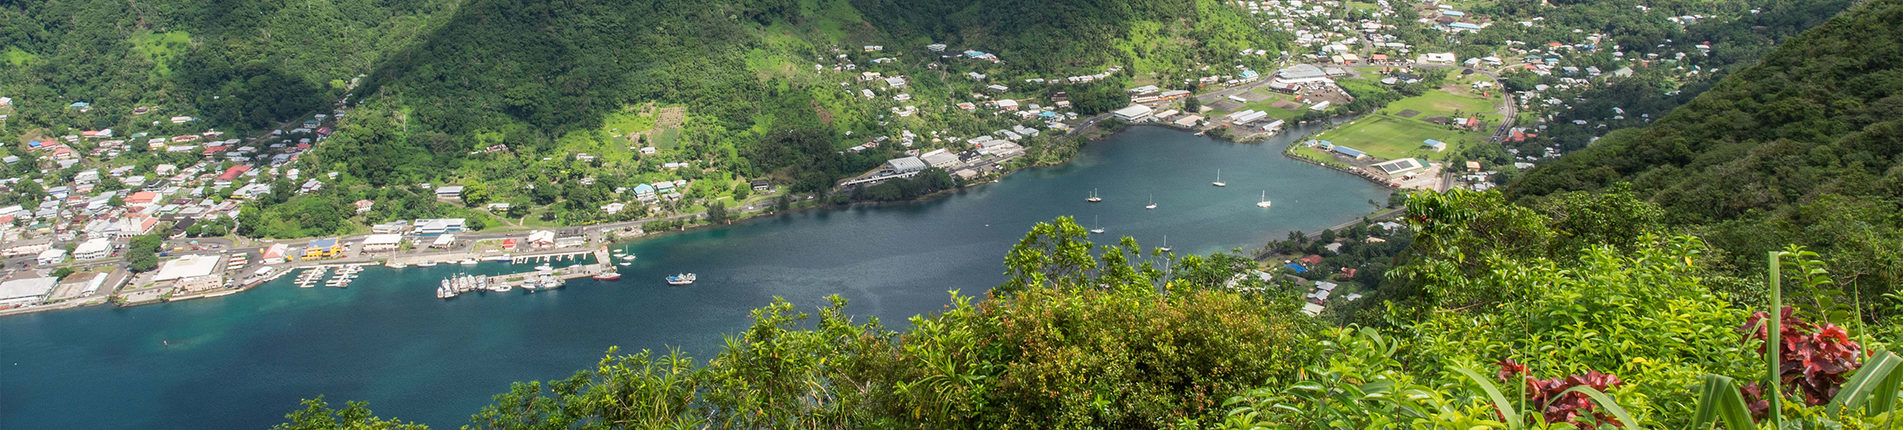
(243, 361)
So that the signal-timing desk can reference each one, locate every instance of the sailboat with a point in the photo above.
(1265, 200)
(1093, 196)
(1152, 202)
(1099, 228)
(1219, 181)
(1166, 244)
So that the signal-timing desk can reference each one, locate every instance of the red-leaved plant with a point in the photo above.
(1575, 407)
(1815, 358)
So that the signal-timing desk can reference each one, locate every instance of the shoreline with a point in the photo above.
(611, 233)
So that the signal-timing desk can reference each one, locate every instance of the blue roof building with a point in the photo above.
(1296, 267)
(1437, 145)
(1351, 152)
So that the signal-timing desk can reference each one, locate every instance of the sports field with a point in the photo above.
(1442, 103)
(1388, 137)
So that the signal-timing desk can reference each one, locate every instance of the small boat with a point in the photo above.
(1219, 181)
(393, 264)
(1166, 244)
(467, 262)
(681, 279)
(427, 263)
(610, 276)
(445, 283)
(626, 264)
(1152, 202)
(550, 283)
(628, 257)
(1098, 229)
(444, 292)
(497, 258)
(1265, 200)
(1093, 196)
(544, 268)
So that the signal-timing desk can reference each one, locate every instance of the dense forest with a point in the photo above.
(1800, 149)
(1642, 283)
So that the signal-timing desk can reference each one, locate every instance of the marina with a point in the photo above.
(543, 277)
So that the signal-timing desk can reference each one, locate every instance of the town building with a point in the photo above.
(93, 249)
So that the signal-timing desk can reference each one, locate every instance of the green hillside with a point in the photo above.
(1802, 148)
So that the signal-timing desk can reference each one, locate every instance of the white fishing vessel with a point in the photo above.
(427, 263)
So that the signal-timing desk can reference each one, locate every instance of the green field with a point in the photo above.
(1389, 137)
(1442, 103)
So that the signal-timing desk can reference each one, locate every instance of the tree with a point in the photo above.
(1192, 104)
(741, 191)
(142, 255)
(783, 202)
(717, 212)
(317, 415)
(62, 273)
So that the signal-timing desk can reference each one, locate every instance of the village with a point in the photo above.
(1469, 130)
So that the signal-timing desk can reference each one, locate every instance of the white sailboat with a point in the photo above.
(1219, 181)
(1166, 244)
(1093, 196)
(1265, 200)
(1152, 202)
(1099, 226)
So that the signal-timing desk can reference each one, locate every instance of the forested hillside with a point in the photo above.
(1803, 148)
(238, 65)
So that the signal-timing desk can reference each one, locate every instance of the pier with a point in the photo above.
(534, 280)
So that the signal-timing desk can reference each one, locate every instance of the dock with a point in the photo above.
(529, 279)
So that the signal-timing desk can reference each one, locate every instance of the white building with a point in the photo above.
(51, 256)
(20, 292)
(382, 242)
(93, 249)
(1132, 113)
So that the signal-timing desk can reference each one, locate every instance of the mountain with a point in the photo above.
(1802, 148)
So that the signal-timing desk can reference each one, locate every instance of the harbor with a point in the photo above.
(891, 261)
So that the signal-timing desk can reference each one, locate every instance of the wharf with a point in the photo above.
(602, 264)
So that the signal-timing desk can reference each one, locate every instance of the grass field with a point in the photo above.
(1266, 105)
(1442, 103)
(1388, 137)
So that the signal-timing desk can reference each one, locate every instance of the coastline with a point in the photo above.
(614, 233)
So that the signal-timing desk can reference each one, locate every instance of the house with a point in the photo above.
(1348, 152)
(444, 242)
(759, 185)
(93, 249)
(363, 206)
(323, 248)
(274, 254)
(27, 247)
(895, 82)
(382, 242)
(613, 208)
(1312, 260)
(1437, 145)
(449, 192)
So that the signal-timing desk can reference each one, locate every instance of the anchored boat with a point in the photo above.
(681, 279)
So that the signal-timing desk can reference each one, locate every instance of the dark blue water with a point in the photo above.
(243, 361)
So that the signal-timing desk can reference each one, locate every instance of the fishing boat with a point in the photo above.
(544, 268)
(609, 276)
(1265, 200)
(1166, 244)
(1219, 181)
(681, 279)
(551, 282)
(501, 287)
(444, 292)
(627, 257)
(467, 262)
(1098, 229)
(625, 264)
(427, 263)
(1093, 196)
(1152, 202)
(504, 258)
(393, 264)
